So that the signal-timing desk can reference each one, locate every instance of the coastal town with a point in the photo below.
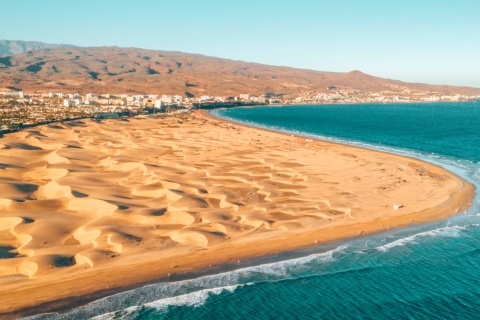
(20, 109)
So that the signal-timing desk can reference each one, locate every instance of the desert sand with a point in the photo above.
(89, 208)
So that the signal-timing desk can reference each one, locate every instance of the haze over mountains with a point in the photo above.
(36, 66)
(12, 47)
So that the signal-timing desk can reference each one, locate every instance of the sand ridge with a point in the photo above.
(83, 198)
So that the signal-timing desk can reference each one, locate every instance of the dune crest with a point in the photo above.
(5, 203)
(52, 190)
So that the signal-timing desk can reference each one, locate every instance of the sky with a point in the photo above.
(429, 41)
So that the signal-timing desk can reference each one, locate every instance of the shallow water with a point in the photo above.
(420, 272)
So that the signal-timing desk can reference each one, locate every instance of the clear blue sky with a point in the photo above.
(432, 41)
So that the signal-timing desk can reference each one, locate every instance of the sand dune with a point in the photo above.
(119, 202)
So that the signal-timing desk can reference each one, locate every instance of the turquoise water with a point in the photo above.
(430, 271)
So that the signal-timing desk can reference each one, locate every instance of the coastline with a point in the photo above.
(463, 182)
(88, 284)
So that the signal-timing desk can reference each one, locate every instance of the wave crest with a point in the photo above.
(451, 232)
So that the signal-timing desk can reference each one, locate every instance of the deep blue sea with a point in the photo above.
(430, 271)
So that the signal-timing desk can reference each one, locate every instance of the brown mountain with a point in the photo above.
(132, 70)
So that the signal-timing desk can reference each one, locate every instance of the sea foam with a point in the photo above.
(194, 299)
(194, 292)
(452, 231)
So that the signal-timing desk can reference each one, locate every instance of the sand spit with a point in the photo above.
(93, 206)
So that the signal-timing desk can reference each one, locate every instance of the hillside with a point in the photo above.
(132, 70)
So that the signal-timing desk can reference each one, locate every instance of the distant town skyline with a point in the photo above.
(429, 41)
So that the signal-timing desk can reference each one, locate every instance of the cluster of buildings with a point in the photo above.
(19, 109)
(356, 96)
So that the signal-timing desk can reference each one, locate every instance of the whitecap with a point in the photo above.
(195, 291)
(452, 231)
(193, 299)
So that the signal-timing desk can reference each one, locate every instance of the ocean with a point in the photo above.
(430, 271)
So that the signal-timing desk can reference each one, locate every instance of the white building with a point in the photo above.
(261, 99)
(19, 94)
(205, 98)
(166, 99)
(430, 99)
(159, 104)
(117, 101)
(90, 96)
(68, 103)
(258, 99)
(245, 96)
(274, 101)
(103, 101)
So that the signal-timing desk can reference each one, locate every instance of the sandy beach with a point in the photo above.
(90, 208)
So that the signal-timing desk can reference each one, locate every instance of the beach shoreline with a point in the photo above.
(37, 296)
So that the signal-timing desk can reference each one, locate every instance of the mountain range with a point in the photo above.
(12, 47)
(41, 67)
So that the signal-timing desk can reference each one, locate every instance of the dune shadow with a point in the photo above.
(37, 133)
(159, 213)
(23, 146)
(26, 187)
(75, 124)
(131, 237)
(6, 252)
(28, 220)
(7, 165)
(79, 194)
(54, 126)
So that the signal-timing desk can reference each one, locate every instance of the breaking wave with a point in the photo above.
(452, 231)
(194, 292)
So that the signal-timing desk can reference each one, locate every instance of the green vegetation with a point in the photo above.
(94, 75)
(6, 61)
(151, 71)
(34, 68)
(63, 261)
